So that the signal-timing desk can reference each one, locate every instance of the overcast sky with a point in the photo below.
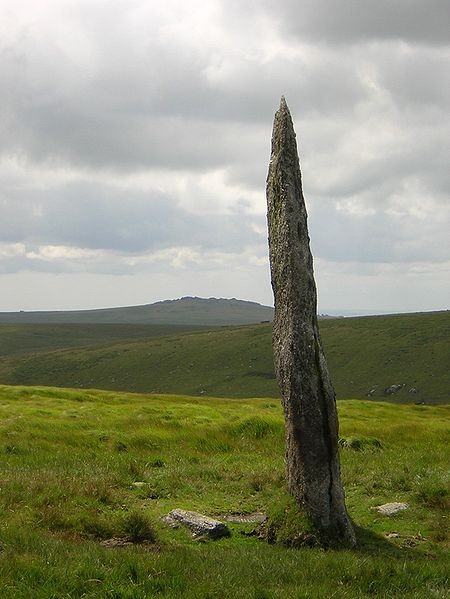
(135, 139)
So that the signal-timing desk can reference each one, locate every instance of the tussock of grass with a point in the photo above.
(287, 525)
(139, 527)
(66, 485)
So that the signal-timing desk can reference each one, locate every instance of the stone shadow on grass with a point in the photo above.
(371, 542)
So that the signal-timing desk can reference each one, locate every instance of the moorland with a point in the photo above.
(104, 428)
(366, 356)
(82, 467)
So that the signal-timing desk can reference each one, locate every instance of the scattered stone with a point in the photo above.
(390, 509)
(254, 518)
(413, 390)
(393, 389)
(412, 541)
(199, 524)
(371, 392)
(392, 535)
(138, 484)
(116, 542)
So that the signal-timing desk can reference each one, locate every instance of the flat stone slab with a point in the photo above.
(199, 524)
(390, 509)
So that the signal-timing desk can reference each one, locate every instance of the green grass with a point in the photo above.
(379, 351)
(69, 459)
(364, 354)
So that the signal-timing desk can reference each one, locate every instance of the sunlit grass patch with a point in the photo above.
(78, 468)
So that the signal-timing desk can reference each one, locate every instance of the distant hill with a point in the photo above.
(184, 311)
(401, 358)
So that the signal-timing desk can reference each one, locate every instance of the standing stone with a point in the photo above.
(311, 423)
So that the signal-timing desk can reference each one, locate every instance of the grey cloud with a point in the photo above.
(154, 105)
(17, 264)
(375, 238)
(68, 132)
(350, 21)
(417, 78)
(376, 178)
(97, 216)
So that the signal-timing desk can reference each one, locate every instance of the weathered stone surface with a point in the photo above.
(199, 524)
(390, 509)
(308, 399)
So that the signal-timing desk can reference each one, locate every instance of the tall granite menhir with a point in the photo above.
(312, 457)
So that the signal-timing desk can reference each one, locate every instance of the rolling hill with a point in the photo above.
(183, 311)
(367, 355)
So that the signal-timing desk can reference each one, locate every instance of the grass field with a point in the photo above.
(364, 354)
(21, 339)
(70, 459)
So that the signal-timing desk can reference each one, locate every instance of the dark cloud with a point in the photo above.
(160, 112)
(349, 21)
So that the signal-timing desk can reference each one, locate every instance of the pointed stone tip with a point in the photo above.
(284, 111)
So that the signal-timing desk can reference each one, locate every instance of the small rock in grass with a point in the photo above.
(390, 509)
(138, 484)
(393, 389)
(199, 524)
